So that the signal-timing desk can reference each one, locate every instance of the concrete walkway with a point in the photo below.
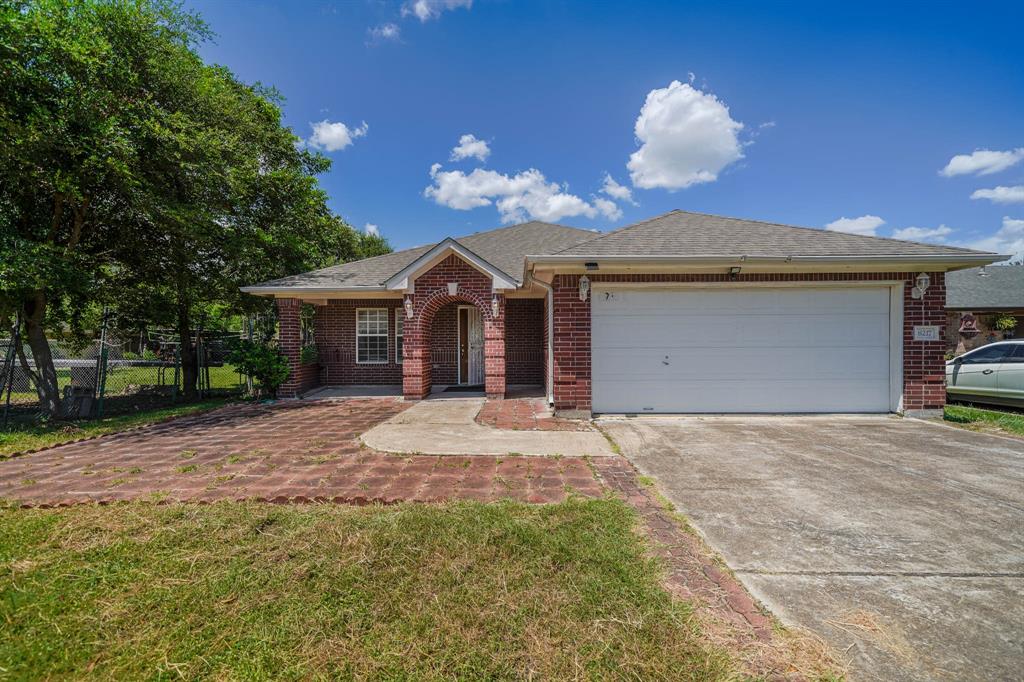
(448, 427)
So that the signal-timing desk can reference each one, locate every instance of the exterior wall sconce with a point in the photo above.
(584, 287)
(921, 285)
(495, 307)
(408, 307)
(734, 272)
(453, 288)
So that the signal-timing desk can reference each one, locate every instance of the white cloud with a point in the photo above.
(470, 147)
(424, 10)
(384, 32)
(982, 162)
(1009, 239)
(608, 208)
(1001, 194)
(864, 225)
(686, 137)
(517, 197)
(371, 229)
(923, 234)
(334, 136)
(617, 191)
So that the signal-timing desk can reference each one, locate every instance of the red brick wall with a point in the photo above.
(923, 362)
(289, 341)
(524, 341)
(444, 345)
(336, 343)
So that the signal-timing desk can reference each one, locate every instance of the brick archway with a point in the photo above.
(417, 370)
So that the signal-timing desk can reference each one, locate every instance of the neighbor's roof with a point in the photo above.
(699, 234)
(1001, 287)
(505, 248)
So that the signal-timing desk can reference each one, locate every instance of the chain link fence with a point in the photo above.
(115, 374)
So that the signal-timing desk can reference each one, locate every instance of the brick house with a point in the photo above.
(975, 299)
(684, 312)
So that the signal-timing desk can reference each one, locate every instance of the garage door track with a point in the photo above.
(899, 541)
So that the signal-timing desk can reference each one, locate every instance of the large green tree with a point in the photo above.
(132, 172)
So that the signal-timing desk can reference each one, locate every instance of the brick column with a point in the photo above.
(494, 351)
(416, 377)
(924, 362)
(289, 342)
(571, 348)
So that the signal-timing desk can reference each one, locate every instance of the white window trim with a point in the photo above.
(399, 339)
(387, 341)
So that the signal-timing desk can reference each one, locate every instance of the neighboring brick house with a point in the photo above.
(975, 299)
(684, 312)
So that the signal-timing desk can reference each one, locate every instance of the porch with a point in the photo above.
(452, 333)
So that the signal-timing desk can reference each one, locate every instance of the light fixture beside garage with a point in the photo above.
(921, 285)
(584, 287)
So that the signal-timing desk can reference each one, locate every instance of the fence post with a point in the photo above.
(177, 372)
(101, 367)
(9, 361)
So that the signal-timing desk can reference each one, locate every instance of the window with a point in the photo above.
(986, 354)
(399, 333)
(1016, 354)
(371, 335)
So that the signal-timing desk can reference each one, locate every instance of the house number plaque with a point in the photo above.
(926, 332)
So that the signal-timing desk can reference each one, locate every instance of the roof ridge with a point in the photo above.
(528, 222)
(817, 229)
(602, 235)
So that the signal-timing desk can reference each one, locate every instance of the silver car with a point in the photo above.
(991, 374)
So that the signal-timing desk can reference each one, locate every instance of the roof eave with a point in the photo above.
(945, 261)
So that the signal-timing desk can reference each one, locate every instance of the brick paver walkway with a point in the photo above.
(284, 452)
(526, 414)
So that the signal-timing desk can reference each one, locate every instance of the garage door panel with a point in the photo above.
(674, 364)
(721, 397)
(748, 331)
(741, 350)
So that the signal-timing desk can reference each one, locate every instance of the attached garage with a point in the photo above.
(729, 349)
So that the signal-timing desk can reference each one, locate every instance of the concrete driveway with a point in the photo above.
(899, 541)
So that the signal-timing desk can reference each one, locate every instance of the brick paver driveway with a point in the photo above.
(298, 451)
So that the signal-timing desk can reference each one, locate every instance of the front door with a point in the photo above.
(471, 346)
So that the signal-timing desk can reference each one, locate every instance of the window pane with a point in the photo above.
(986, 354)
(372, 335)
(1017, 354)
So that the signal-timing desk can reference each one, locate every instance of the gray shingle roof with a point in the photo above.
(699, 234)
(505, 248)
(1003, 287)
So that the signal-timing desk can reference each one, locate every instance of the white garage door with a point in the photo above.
(740, 350)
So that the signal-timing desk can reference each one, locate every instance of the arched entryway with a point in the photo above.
(464, 314)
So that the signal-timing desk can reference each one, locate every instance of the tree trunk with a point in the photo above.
(189, 358)
(45, 374)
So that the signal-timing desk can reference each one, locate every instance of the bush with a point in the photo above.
(1006, 323)
(308, 355)
(265, 364)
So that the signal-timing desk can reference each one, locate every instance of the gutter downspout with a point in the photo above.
(550, 378)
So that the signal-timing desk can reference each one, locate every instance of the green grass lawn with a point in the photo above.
(985, 419)
(230, 591)
(23, 437)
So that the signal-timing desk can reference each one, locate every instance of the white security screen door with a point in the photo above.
(471, 346)
(724, 349)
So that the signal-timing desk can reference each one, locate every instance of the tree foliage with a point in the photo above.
(131, 172)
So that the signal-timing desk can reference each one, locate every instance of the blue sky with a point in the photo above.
(788, 112)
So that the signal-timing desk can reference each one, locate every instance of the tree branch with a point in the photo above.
(58, 213)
